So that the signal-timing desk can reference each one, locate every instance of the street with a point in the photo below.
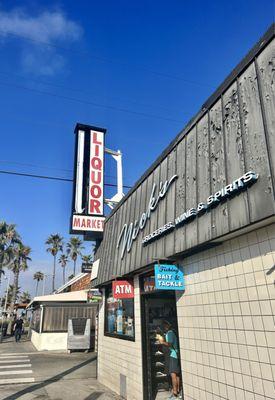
(27, 374)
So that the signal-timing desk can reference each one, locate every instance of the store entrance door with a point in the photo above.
(156, 307)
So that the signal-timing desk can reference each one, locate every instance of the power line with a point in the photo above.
(41, 167)
(33, 165)
(36, 176)
(54, 178)
(94, 104)
(13, 117)
(42, 82)
(104, 59)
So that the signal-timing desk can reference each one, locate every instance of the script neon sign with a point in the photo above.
(213, 200)
(130, 231)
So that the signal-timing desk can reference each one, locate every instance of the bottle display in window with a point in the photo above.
(119, 316)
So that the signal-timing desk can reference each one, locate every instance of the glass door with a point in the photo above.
(156, 307)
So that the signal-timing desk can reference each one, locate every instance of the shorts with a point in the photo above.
(174, 365)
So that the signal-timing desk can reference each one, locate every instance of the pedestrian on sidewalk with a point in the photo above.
(18, 329)
(171, 341)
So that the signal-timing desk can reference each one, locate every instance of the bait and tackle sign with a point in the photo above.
(169, 277)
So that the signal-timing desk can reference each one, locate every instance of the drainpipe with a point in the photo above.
(41, 319)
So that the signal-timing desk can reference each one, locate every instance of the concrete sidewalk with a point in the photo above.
(56, 375)
(10, 346)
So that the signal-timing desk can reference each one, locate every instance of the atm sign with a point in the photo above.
(123, 289)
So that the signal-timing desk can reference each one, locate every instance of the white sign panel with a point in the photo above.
(95, 269)
(79, 172)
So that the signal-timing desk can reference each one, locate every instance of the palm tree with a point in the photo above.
(55, 243)
(38, 276)
(88, 259)
(2, 272)
(10, 295)
(63, 259)
(20, 264)
(8, 239)
(25, 297)
(74, 248)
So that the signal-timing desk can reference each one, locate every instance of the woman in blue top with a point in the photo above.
(171, 341)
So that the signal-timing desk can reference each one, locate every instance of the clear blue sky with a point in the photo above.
(71, 61)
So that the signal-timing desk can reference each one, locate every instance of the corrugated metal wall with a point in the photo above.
(35, 321)
(55, 318)
(234, 135)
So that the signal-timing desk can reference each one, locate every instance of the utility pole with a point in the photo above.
(7, 291)
(44, 282)
(5, 308)
(43, 286)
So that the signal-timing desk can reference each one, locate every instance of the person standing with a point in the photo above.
(18, 329)
(171, 341)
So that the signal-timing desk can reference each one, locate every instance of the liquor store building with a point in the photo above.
(206, 206)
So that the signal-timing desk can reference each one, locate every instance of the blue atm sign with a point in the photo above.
(169, 277)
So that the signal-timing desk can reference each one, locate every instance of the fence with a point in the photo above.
(35, 321)
(55, 317)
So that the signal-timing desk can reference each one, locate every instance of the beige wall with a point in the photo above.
(226, 325)
(226, 320)
(118, 357)
(49, 341)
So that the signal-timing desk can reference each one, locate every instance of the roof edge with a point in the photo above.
(70, 282)
(241, 66)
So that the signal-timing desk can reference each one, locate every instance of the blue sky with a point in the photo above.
(140, 69)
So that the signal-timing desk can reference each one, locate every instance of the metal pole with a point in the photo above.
(117, 156)
(7, 290)
(118, 159)
(1, 332)
(5, 308)
(41, 319)
(44, 281)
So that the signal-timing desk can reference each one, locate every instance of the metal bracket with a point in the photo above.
(117, 156)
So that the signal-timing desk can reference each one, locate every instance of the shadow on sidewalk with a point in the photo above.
(94, 396)
(10, 346)
(10, 339)
(55, 378)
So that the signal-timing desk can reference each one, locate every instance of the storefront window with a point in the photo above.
(147, 283)
(119, 317)
(35, 322)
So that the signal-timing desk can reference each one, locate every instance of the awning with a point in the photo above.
(78, 296)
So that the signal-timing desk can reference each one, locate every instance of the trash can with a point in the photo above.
(79, 334)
